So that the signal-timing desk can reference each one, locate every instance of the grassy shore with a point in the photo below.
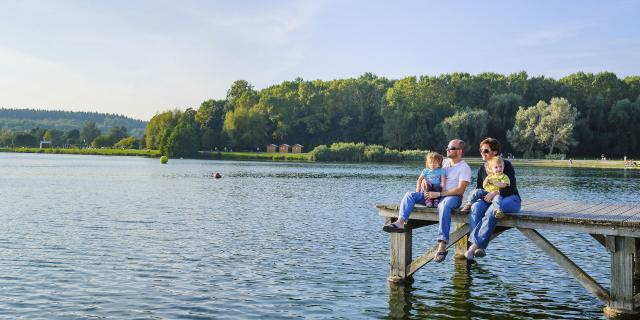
(306, 157)
(101, 152)
(265, 156)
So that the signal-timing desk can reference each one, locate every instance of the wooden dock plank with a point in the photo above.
(633, 215)
(595, 218)
(605, 212)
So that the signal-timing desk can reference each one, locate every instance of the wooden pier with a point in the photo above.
(616, 227)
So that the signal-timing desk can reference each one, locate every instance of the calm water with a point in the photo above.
(119, 237)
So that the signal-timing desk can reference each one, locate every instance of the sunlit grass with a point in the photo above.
(101, 152)
(276, 156)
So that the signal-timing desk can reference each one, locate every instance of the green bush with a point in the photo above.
(348, 151)
(359, 152)
(374, 153)
(321, 153)
(414, 155)
(392, 155)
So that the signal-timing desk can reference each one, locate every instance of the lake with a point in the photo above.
(87, 237)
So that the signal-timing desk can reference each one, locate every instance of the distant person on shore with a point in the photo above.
(458, 176)
(432, 178)
(570, 162)
(482, 219)
(495, 181)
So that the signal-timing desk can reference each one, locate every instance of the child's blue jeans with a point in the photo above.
(479, 194)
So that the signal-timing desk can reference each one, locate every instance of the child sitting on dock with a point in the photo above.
(432, 178)
(495, 180)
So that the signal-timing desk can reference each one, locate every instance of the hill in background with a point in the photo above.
(26, 119)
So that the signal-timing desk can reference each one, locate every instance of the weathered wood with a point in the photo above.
(610, 243)
(615, 225)
(401, 245)
(600, 238)
(583, 278)
(622, 295)
(498, 231)
(426, 257)
(461, 245)
(415, 224)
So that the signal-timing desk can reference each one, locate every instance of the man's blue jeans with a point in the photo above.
(447, 204)
(482, 219)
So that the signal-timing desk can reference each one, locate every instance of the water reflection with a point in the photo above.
(405, 302)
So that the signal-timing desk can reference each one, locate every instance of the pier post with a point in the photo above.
(401, 255)
(462, 245)
(622, 303)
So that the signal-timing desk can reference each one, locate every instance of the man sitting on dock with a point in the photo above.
(458, 174)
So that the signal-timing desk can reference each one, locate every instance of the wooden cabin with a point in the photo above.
(272, 148)
(284, 148)
(296, 148)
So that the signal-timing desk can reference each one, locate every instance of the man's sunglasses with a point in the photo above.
(453, 148)
(485, 150)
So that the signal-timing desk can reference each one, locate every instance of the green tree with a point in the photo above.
(89, 132)
(522, 136)
(502, 110)
(103, 141)
(413, 111)
(210, 119)
(159, 128)
(556, 125)
(118, 133)
(467, 124)
(24, 139)
(55, 136)
(6, 138)
(38, 133)
(246, 128)
(238, 89)
(127, 143)
(183, 140)
(624, 118)
(71, 137)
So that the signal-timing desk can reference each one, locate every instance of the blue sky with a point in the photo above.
(140, 57)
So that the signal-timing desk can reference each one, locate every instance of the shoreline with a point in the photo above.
(305, 157)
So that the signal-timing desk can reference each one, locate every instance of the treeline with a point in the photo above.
(413, 113)
(89, 136)
(27, 119)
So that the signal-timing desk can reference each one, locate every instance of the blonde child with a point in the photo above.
(495, 180)
(432, 178)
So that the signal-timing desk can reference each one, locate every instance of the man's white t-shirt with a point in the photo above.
(455, 173)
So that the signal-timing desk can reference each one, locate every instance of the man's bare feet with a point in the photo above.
(441, 254)
(471, 252)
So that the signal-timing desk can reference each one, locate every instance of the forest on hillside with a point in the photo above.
(23, 120)
(582, 114)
